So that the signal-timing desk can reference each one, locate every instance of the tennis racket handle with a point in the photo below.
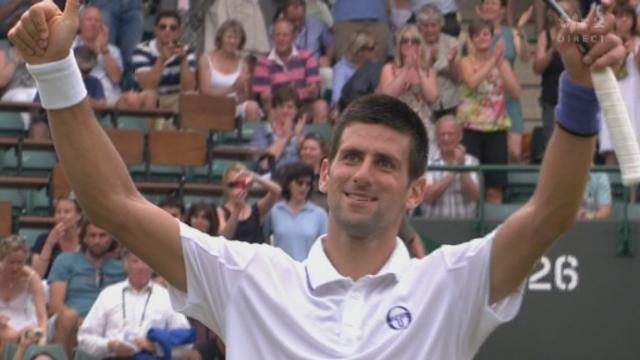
(616, 117)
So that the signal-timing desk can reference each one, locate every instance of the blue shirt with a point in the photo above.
(296, 233)
(263, 137)
(347, 10)
(315, 37)
(84, 281)
(343, 70)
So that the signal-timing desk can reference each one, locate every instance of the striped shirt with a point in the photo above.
(451, 204)
(271, 73)
(145, 56)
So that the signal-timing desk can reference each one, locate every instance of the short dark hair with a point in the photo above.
(284, 94)
(478, 25)
(168, 14)
(209, 211)
(173, 202)
(288, 3)
(390, 112)
(86, 58)
(291, 172)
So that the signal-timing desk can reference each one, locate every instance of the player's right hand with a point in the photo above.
(44, 33)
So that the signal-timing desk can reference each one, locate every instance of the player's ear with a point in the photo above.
(323, 183)
(415, 194)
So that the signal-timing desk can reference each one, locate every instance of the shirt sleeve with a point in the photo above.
(261, 78)
(141, 61)
(91, 337)
(60, 270)
(469, 264)
(214, 268)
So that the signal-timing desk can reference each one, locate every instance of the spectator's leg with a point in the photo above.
(66, 332)
(514, 144)
(131, 22)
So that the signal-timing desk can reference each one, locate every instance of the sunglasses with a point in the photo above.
(303, 183)
(413, 41)
(164, 27)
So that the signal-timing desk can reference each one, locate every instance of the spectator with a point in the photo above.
(30, 337)
(63, 238)
(94, 34)
(311, 33)
(352, 16)
(122, 315)
(597, 198)
(280, 136)
(410, 76)
(125, 21)
(77, 278)
(174, 206)
(451, 194)
(487, 78)
(443, 51)
(548, 64)
(358, 52)
(242, 221)
(203, 217)
(163, 68)
(313, 150)
(628, 76)
(516, 46)
(15, 81)
(22, 300)
(295, 222)
(449, 11)
(248, 13)
(286, 65)
(87, 60)
(399, 13)
(223, 72)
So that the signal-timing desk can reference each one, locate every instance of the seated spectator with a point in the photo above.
(358, 52)
(125, 21)
(77, 278)
(295, 222)
(16, 84)
(64, 237)
(410, 76)
(311, 33)
(352, 16)
(174, 206)
(122, 315)
(596, 204)
(94, 34)
(164, 68)
(203, 217)
(28, 338)
(223, 72)
(450, 194)
(248, 13)
(286, 65)
(22, 302)
(280, 137)
(240, 220)
(449, 11)
(87, 60)
(443, 52)
(399, 13)
(313, 150)
(487, 78)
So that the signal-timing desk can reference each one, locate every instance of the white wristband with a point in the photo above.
(59, 83)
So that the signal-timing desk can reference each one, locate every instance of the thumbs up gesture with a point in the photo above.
(44, 33)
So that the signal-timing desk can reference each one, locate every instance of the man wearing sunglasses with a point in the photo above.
(163, 68)
(358, 295)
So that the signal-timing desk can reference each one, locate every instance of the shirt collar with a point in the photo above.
(320, 271)
(273, 56)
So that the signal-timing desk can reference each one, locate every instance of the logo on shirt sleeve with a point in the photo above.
(399, 318)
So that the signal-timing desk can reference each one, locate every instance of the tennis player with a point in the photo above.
(359, 295)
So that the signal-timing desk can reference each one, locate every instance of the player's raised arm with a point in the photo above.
(96, 172)
(529, 233)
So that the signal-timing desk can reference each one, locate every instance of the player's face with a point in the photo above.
(367, 183)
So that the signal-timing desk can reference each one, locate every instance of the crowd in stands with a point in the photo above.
(285, 72)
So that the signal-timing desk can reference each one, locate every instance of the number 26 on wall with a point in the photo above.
(563, 274)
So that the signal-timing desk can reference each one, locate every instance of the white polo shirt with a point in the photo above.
(266, 306)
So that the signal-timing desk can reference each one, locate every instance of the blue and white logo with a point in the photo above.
(399, 318)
